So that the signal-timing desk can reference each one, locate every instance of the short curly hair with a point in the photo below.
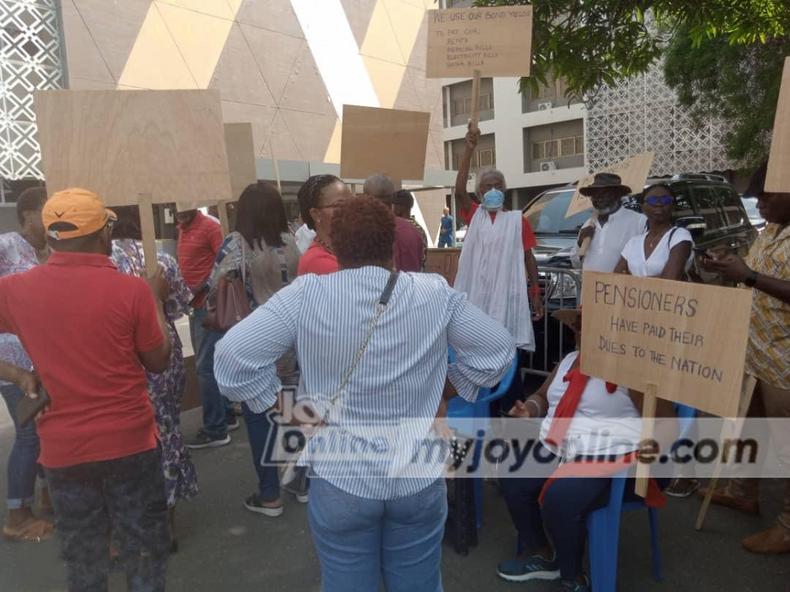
(363, 232)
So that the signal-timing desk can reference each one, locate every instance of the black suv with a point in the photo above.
(708, 206)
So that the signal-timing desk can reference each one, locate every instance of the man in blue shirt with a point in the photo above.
(447, 230)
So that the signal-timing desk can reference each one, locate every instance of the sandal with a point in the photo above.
(682, 487)
(32, 530)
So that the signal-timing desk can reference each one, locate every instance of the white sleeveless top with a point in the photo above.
(605, 423)
(634, 252)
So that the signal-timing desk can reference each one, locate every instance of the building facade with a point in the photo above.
(285, 66)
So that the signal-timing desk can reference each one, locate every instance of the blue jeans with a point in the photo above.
(563, 516)
(360, 541)
(261, 430)
(445, 240)
(215, 406)
(22, 467)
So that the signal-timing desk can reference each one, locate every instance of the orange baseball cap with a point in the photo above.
(81, 208)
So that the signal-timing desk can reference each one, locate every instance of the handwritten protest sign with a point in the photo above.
(633, 172)
(389, 141)
(778, 178)
(495, 41)
(686, 340)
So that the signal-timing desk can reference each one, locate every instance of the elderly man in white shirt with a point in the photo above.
(610, 227)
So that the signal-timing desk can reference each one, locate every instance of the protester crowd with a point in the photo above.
(338, 311)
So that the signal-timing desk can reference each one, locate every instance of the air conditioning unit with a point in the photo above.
(548, 165)
(545, 106)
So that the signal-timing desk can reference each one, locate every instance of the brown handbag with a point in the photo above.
(230, 303)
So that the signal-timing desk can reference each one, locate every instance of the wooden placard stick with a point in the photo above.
(148, 232)
(586, 242)
(649, 402)
(475, 119)
(222, 208)
(730, 429)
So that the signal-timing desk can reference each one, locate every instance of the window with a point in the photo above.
(682, 204)
(485, 158)
(568, 147)
(733, 207)
(561, 148)
(709, 207)
(481, 158)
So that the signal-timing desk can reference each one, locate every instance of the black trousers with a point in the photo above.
(125, 497)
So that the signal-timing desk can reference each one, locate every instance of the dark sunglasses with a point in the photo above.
(659, 200)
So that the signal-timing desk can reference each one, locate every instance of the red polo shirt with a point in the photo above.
(83, 324)
(198, 245)
(527, 236)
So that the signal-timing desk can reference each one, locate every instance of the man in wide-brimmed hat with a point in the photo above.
(610, 227)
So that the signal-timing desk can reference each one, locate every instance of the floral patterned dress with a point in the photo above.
(16, 256)
(166, 389)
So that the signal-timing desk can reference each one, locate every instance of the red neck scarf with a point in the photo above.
(566, 410)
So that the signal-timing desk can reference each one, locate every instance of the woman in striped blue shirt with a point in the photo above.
(375, 370)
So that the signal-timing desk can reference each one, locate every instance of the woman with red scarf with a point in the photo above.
(576, 409)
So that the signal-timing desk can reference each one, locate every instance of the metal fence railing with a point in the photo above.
(560, 288)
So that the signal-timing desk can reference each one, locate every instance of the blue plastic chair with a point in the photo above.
(461, 415)
(603, 525)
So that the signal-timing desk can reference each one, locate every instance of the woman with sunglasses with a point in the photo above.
(664, 250)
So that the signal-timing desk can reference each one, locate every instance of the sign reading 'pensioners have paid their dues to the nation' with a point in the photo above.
(496, 41)
(686, 340)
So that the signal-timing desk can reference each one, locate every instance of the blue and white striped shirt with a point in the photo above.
(399, 380)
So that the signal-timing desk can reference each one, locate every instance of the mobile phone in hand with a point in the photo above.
(28, 408)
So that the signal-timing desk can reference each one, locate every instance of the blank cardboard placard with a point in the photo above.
(497, 41)
(633, 172)
(388, 141)
(689, 340)
(169, 144)
(778, 178)
(241, 157)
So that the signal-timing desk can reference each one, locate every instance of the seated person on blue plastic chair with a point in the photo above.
(550, 514)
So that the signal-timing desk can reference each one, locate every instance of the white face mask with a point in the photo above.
(494, 200)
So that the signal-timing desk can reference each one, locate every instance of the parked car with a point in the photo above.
(708, 206)
(750, 204)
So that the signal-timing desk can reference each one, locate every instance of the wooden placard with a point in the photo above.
(389, 141)
(730, 431)
(778, 177)
(633, 172)
(241, 157)
(148, 233)
(497, 41)
(444, 262)
(168, 144)
(687, 339)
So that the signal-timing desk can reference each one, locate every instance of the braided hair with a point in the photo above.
(310, 194)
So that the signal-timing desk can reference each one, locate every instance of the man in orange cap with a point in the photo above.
(90, 332)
